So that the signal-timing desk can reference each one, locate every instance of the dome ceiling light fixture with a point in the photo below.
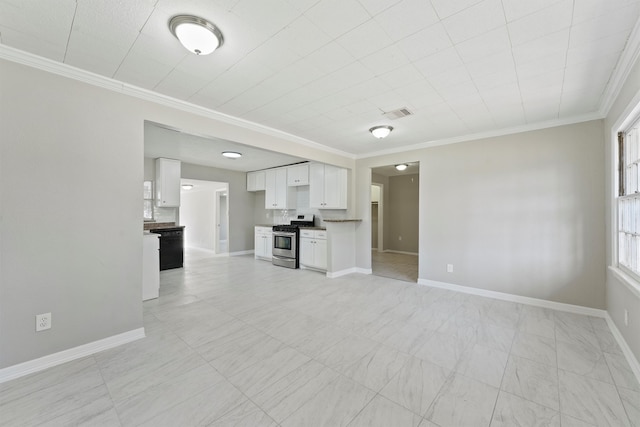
(187, 186)
(231, 154)
(381, 131)
(402, 166)
(197, 35)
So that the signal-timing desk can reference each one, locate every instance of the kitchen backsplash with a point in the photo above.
(165, 214)
(302, 202)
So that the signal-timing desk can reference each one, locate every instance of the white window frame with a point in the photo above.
(628, 117)
(628, 200)
(148, 201)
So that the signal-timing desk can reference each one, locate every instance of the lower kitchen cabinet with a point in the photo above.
(313, 249)
(263, 244)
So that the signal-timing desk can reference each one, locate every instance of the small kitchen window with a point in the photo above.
(629, 199)
(148, 201)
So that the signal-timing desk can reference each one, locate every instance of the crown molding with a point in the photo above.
(622, 70)
(68, 71)
(484, 135)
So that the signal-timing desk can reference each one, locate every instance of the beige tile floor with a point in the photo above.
(395, 266)
(237, 342)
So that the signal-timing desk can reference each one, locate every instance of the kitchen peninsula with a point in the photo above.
(341, 246)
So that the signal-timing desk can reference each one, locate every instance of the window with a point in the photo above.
(148, 201)
(629, 199)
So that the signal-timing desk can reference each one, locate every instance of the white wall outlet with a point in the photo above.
(449, 268)
(399, 237)
(626, 317)
(43, 322)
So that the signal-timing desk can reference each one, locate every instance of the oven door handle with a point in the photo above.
(284, 234)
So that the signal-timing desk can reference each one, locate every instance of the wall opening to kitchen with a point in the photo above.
(395, 217)
(204, 211)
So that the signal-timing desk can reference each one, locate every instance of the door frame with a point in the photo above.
(222, 192)
(380, 216)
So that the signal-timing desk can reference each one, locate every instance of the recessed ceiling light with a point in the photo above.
(402, 166)
(187, 186)
(232, 154)
(381, 131)
(197, 35)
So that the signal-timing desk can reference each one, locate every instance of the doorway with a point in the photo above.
(222, 221)
(204, 211)
(394, 222)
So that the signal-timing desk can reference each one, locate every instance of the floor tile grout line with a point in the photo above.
(104, 382)
(504, 372)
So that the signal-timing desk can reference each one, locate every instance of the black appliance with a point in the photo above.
(171, 247)
(286, 241)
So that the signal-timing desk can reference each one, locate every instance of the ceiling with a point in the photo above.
(327, 70)
(390, 170)
(161, 141)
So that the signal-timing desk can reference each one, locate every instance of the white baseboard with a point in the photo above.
(333, 275)
(239, 253)
(570, 308)
(51, 360)
(391, 251)
(633, 362)
(349, 271)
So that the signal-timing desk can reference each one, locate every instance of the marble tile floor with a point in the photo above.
(395, 266)
(237, 342)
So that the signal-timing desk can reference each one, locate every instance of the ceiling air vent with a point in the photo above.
(398, 114)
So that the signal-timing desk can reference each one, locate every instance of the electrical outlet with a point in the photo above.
(399, 237)
(626, 317)
(43, 322)
(449, 268)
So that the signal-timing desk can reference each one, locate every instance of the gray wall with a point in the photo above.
(70, 214)
(521, 214)
(621, 296)
(403, 215)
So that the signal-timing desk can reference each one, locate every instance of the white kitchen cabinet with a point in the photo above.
(278, 195)
(256, 181)
(298, 175)
(313, 249)
(263, 244)
(167, 183)
(327, 186)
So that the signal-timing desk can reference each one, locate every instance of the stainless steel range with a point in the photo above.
(286, 241)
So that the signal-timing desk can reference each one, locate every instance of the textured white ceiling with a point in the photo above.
(326, 70)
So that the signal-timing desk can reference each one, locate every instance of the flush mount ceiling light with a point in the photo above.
(187, 186)
(381, 131)
(197, 35)
(402, 166)
(232, 154)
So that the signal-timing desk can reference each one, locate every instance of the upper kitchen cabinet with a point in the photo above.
(167, 183)
(327, 186)
(298, 175)
(256, 181)
(278, 195)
